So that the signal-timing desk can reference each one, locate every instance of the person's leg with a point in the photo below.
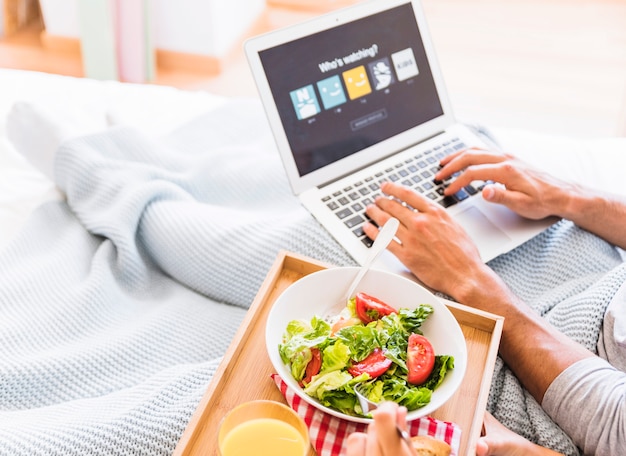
(37, 131)
(209, 203)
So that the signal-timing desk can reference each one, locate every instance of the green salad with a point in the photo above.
(369, 343)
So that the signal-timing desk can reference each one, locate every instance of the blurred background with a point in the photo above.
(553, 66)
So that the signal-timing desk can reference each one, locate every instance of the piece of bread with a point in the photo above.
(426, 445)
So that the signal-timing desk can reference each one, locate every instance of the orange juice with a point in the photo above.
(263, 437)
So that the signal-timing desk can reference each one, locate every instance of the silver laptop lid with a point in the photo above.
(348, 88)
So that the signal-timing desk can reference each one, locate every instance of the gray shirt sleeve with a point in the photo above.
(588, 401)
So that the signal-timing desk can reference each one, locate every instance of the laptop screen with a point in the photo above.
(347, 88)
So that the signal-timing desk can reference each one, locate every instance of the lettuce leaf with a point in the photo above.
(361, 340)
(301, 335)
(335, 357)
(299, 363)
(336, 389)
(443, 363)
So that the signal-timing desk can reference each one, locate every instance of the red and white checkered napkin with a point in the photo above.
(329, 434)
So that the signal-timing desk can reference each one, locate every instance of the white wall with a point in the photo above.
(203, 27)
(60, 17)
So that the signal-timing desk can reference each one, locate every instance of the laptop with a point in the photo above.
(355, 97)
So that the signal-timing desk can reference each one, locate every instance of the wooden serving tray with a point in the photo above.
(244, 373)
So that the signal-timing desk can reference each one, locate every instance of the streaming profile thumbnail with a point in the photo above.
(305, 102)
(381, 73)
(405, 64)
(331, 92)
(357, 83)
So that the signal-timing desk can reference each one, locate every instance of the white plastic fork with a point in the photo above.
(385, 236)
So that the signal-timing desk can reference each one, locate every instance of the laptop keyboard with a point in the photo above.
(416, 172)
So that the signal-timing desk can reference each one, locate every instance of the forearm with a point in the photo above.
(602, 214)
(536, 352)
(530, 346)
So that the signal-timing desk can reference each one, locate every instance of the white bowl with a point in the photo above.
(314, 293)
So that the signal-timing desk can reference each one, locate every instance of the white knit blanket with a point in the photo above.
(116, 305)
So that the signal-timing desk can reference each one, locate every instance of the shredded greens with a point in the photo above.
(334, 386)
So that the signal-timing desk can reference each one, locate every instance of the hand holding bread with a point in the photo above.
(382, 438)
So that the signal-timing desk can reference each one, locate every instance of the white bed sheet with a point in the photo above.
(153, 109)
(157, 110)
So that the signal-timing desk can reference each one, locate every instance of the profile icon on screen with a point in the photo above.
(305, 102)
(405, 64)
(331, 92)
(381, 73)
(356, 82)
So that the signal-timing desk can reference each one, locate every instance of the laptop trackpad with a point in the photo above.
(490, 239)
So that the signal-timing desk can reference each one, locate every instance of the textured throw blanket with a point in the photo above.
(116, 305)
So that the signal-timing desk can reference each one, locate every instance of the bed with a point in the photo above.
(122, 374)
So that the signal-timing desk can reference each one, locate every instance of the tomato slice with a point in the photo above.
(420, 359)
(370, 309)
(313, 368)
(376, 364)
